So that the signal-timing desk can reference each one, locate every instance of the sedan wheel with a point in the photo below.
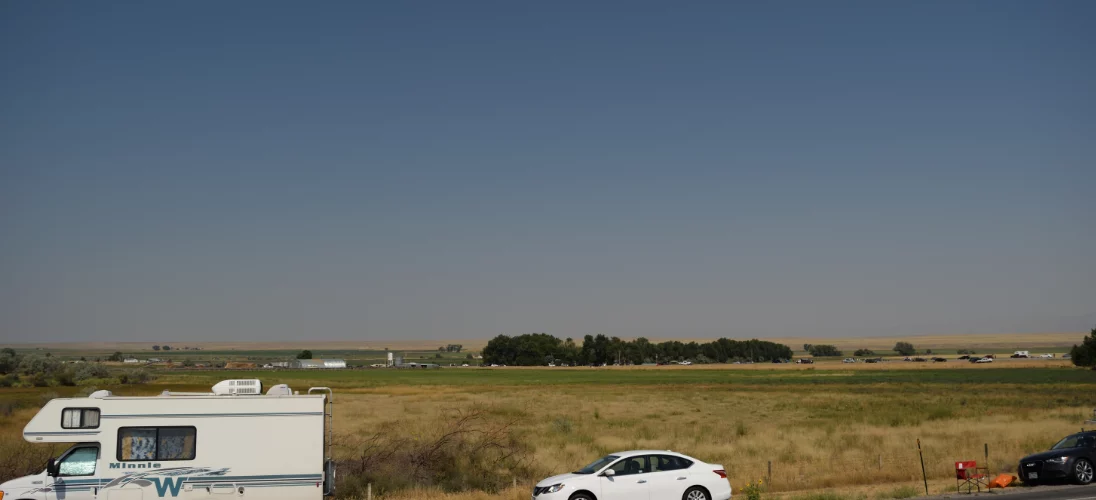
(696, 493)
(1083, 471)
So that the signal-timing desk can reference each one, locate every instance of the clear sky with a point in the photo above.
(397, 170)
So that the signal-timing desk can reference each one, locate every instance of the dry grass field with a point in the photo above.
(846, 429)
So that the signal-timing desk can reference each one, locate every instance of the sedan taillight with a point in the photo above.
(722, 473)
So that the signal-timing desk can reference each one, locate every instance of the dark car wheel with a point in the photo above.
(1083, 471)
(696, 493)
(582, 496)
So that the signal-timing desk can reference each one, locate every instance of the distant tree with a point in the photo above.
(1085, 354)
(437, 356)
(83, 359)
(188, 363)
(824, 350)
(49, 354)
(166, 348)
(928, 351)
(117, 356)
(904, 348)
(807, 347)
(441, 349)
(155, 348)
(305, 354)
(469, 356)
(864, 352)
(9, 361)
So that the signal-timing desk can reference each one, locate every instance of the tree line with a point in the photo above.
(538, 349)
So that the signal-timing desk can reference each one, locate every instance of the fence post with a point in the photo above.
(515, 482)
(924, 476)
(770, 473)
(880, 462)
(987, 455)
(369, 491)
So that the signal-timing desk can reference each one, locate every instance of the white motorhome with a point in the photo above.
(234, 442)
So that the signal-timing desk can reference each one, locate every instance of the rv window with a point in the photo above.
(80, 418)
(79, 462)
(156, 443)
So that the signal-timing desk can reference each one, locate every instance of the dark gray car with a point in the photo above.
(1072, 459)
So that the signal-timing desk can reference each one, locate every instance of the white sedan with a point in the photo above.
(639, 475)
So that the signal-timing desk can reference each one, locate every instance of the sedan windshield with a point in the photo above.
(1075, 441)
(597, 465)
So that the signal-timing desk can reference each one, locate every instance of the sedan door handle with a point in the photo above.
(682, 478)
(641, 481)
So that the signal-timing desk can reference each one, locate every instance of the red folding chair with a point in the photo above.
(970, 475)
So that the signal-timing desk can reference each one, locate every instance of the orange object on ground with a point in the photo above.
(1002, 481)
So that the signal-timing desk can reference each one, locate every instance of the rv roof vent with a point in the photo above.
(245, 386)
(100, 394)
(279, 390)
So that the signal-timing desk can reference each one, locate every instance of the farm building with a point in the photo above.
(421, 366)
(236, 365)
(321, 363)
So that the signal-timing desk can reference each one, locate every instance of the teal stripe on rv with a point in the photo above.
(215, 415)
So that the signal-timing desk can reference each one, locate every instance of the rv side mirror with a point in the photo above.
(609, 473)
(52, 469)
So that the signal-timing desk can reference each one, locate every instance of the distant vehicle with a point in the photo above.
(639, 474)
(984, 360)
(1072, 459)
(873, 360)
(939, 360)
(990, 356)
(551, 364)
(1046, 356)
(919, 360)
(494, 365)
(380, 365)
(1021, 354)
(686, 363)
(464, 365)
(964, 357)
(804, 361)
(1067, 356)
(848, 360)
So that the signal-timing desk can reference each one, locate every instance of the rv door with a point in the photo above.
(75, 474)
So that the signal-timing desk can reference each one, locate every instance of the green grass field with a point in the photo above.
(833, 378)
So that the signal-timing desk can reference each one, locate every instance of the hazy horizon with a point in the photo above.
(347, 171)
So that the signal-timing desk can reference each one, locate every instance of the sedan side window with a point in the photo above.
(661, 463)
(80, 462)
(630, 466)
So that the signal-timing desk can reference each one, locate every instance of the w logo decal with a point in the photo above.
(168, 484)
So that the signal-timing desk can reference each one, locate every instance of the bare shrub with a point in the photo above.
(20, 458)
(467, 450)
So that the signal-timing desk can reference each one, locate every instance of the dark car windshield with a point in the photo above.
(597, 465)
(1074, 441)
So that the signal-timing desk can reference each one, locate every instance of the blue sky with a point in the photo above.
(284, 170)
